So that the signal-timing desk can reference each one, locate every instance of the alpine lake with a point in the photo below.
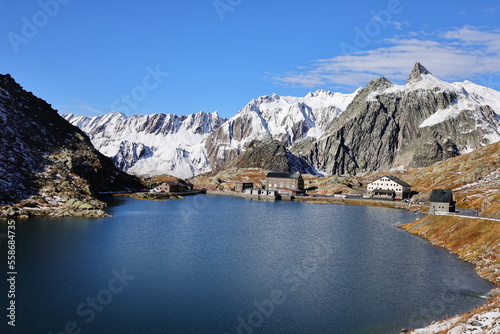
(217, 264)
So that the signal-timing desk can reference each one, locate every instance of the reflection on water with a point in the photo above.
(227, 265)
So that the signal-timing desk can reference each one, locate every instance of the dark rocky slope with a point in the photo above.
(270, 155)
(48, 166)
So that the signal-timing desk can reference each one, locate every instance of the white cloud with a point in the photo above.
(491, 10)
(471, 36)
(397, 24)
(458, 54)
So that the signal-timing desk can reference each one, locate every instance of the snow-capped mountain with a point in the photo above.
(180, 146)
(468, 96)
(389, 126)
(383, 126)
(153, 144)
(286, 119)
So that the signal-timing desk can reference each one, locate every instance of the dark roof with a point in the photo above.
(284, 175)
(398, 181)
(441, 195)
(395, 179)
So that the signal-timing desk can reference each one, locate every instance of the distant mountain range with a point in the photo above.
(190, 145)
(46, 162)
(154, 144)
(381, 127)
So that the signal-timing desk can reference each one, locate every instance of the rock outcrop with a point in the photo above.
(399, 127)
(270, 155)
(47, 166)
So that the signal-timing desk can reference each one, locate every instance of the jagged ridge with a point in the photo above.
(153, 144)
(390, 126)
(380, 127)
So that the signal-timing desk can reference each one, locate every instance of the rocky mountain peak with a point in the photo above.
(320, 93)
(380, 127)
(381, 83)
(390, 126)
(417, 72)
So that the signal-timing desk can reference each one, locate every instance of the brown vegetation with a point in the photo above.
(473, 240)
(474, 178)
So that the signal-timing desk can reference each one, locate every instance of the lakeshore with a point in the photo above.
(473, 239)
(475, 248)
(476, 241)
(149, 195)
(215, 255)
(417, 208)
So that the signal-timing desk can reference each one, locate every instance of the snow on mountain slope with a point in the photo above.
(482, 95)
(283, 114)
(153, 144)
(429, 119)
(169, 144)
(469, 97)
(284, 118)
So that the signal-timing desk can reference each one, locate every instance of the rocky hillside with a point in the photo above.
(46, 164)
(390, 127)
(269, 155)
(473, 177)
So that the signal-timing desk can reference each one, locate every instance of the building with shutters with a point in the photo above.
(389, 187)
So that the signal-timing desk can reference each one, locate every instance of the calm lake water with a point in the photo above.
(211, 264)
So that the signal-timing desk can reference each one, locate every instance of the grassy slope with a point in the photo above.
(473, 240)
(474, 177)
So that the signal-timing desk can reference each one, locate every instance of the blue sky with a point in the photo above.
(91, 57)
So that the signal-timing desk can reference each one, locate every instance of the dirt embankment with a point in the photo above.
(474, 240)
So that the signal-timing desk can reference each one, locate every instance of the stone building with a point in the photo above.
(172, 187)
(285, 183)
(242, 186)
(442, 201)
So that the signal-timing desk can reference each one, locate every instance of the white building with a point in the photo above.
(389, 186)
